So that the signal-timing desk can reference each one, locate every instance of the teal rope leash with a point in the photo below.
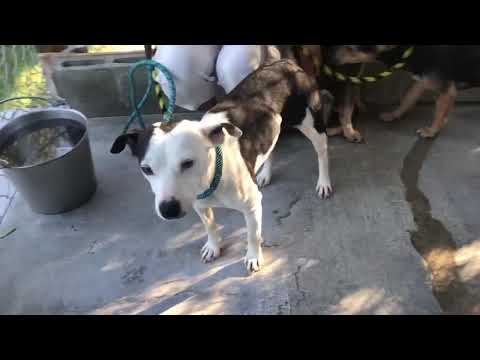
(136, 114)
(216, 177)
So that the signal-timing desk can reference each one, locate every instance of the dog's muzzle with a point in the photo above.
(171, 209)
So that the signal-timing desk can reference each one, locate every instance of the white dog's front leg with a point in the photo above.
(211, 250)
(253, 218)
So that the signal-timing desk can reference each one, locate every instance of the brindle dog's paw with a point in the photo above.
(264, 177)
(324, 190)
(210, 252)
(253, 260)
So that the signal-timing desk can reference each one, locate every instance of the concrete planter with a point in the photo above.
(96, 84)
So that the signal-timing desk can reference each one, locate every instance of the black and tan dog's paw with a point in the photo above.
(353, 135)
(427, 132)
(388, 116)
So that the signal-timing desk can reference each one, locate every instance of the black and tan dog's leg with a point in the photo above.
(334, 131)
(347, 106)
(409, 100)
(357, 99)
(444, 104)
(211, 250)
(328, 104)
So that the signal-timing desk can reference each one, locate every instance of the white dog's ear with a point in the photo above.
(130, 138)
(216, 135)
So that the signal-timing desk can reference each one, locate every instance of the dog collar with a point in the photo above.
(216, 177)
(369, 79)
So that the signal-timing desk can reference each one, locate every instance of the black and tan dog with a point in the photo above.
(345, 100)
(441, 68)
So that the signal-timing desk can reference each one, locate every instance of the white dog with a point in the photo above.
(213, 163)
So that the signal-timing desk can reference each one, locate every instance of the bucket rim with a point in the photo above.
(46, 110)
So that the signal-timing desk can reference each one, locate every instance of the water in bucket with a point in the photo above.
(42, 142)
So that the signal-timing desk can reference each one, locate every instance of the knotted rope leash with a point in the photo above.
(153, 68)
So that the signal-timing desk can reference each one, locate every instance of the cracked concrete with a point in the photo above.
(351, 254)
(292, 203)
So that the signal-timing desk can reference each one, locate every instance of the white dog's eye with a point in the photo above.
(186, 164)
(147, 170)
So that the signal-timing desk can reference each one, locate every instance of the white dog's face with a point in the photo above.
(176, 167)
(177, 161)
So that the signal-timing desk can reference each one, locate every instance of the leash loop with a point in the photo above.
(151, 65)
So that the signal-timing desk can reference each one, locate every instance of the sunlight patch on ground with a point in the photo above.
(467, 259)
(367, 300)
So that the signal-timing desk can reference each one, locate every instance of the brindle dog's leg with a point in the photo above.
(319, 142)
(253, 218)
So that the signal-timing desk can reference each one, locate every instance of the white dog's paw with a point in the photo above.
(324, 189)
(254, 260)
(210, 252)
(264, 177)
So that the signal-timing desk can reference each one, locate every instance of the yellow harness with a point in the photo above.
(358, 79)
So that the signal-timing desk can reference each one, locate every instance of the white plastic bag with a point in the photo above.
(192, 67)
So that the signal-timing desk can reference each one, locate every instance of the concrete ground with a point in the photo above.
(400, 236)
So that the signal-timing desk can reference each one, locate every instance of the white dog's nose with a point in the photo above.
(171, 209)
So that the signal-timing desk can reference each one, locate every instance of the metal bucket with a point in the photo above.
(46, 154)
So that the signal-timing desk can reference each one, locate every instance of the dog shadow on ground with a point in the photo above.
(190, 286)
